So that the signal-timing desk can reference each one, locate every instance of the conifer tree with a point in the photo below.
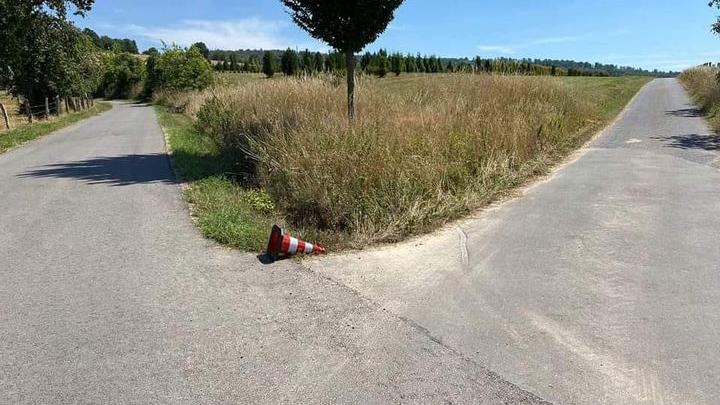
(269, 64)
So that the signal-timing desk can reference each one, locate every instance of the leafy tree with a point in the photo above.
(39, 47)
(203, 49)
(123, 74)
(347, 26)
(716, 25)
(269, 64)
(183, 69)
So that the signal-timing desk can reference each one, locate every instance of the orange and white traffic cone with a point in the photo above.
(282, 244)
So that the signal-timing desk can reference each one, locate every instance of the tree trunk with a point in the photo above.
(350, 64)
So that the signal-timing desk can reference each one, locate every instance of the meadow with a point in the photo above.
(425, 150)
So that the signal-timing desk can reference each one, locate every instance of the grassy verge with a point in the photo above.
(424, 151)
(702, 84)
(222, 207)
(18, 136)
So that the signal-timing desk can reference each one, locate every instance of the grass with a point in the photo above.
(702, 84)
(16, 137)
(425, 150)
(224, 210)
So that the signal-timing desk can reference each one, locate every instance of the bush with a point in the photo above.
(415, 158)
(182, 69)
(124, 73)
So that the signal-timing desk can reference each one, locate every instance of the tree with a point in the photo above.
(290, 62)
(269, 64)
(716, 25)
(39, 46)
(181, 69)
(348, 26)
(203, 49)
(319, 63)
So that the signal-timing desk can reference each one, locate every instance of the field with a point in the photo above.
(424, 151)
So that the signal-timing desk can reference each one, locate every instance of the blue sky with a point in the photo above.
(663, 34)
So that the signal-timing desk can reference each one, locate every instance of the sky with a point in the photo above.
(662, 34)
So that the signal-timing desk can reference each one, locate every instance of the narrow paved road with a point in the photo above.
(109, 295)
(600, 286)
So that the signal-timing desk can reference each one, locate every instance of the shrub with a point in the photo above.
(183, 69)
(123, 75)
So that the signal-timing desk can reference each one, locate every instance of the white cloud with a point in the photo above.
(505, 50)
(250, 33)
(512, 49)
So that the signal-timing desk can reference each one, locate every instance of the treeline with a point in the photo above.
(112, 44)
(609, 69)
(381, 63)
(291, 62)
(44, 56)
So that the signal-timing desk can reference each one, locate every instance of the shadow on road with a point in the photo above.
(686, 113)
(693, 141)
(121, 170)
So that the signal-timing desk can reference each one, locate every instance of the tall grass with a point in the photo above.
(420, 154)
(703, 85)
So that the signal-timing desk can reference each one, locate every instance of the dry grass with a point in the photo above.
(425, 149)
(703, 85)
(13, 109)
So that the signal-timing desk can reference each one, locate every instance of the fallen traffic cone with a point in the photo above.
(282, 244)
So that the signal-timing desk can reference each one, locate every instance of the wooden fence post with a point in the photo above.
(82, 103)
(5, 116)
(67, 106)
(28, 110)
(58, 106)
(47, 108)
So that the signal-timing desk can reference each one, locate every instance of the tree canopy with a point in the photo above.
(347, 26)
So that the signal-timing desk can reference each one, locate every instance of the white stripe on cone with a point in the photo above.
(293, 246)
(309, 248)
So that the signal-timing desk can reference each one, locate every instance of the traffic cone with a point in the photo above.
(281, 244)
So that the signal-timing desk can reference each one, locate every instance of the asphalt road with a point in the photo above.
(600, 285)
(108, 294)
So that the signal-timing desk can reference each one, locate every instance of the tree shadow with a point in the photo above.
(692, 141)
(686, 113)
(121, 170)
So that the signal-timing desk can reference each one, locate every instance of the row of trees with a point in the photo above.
(43, 55)
(112, 44)
(381, 63)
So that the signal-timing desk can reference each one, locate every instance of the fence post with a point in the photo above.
(58, 106)
(82, 103)
(73, 103)
(5, 116)
(47, 108)
(28, 110)
(67, 106)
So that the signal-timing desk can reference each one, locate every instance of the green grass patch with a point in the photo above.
(18, 136)
(225, 210)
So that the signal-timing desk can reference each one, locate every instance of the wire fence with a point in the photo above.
(53, 106)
